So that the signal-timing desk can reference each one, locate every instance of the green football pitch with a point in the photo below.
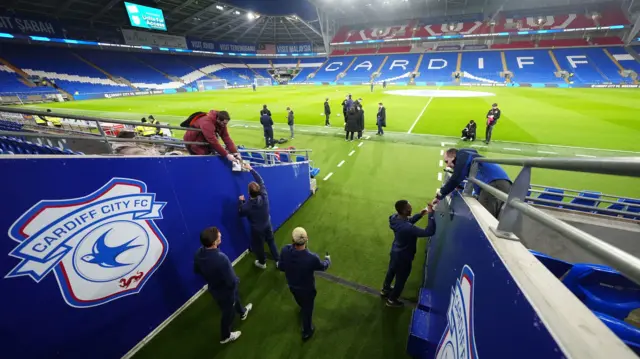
(358, 186)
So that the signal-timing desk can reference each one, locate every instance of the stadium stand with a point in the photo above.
(612, 40)
(362, 69)
(485, 65)
(532, 66)
(582, 63)
(399, 65)
(515, 45)
(437, 67)
(360, 51)
(562, 42)
(394, 50)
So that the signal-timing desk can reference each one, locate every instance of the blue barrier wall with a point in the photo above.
(97, 252)
(475, 305)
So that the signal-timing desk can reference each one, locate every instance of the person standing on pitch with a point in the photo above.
(327, 112)
(290, 120)
(490, 173)
(372, 86)
(256, 209)
(265, 110)
(381, 119)
(360, 111)
(492, 119)
(299, 265)
(216, 269)
(352, 123)
(267, 126)
(403, 249)
(253, 85)
(345, 107)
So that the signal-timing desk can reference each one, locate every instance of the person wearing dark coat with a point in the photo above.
(360, 110)
(216, 269)
(267, 125)
(469, 132)
(345, 106)
(327, 112)
(265, 110)
(352, 123)
(492, 119)
(381, 119)
(290, 120)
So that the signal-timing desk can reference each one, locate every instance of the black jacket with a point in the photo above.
(496, 114)
(327, 108)
(263, 111)
(215, 268)
(360, 111)
(290, 118)
(382, 117)
(353, 116)
(257, 209)
(471, 129)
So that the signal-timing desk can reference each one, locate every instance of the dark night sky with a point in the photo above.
(278, 7)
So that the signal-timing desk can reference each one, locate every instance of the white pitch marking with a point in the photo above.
(479, 146)
(352, 152)
(587, 156)
(440, 164)
(440, 176)
(548, 152)
(441, 152)
(360, 144)
(328, 176)
(511, 149)
(420, 115)
(304, 130)
(340, 164)
(367, 137)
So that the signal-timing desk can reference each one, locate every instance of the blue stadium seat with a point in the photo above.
(257, 157)
(629, 334)
(551, 194)
(633, 205)
(586, 199)
(603, 289)
(284, 157)
(314, 172)
(556, 266)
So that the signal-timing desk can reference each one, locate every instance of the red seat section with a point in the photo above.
(515, 45)
(393, 50)
(613, 40)
(403, 31)
(338, 52)
(362, 51)
(562, 42)
(613, 17)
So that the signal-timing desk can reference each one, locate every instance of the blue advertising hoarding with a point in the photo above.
(103, 254)
(294, 48)
(145, 17)
(206, 45)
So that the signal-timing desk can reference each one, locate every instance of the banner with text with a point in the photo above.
(294, 48)
(143, 38)
(29, 25)
(205, 45)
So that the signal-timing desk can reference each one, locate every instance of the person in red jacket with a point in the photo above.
(213, 125)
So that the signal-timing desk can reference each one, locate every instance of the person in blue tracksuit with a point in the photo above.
(216, 269)
(403, 249)
(299, 265)
(256, 209)
(490, 173)
(267, 126)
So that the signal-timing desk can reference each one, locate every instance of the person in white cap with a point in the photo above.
(299, 265)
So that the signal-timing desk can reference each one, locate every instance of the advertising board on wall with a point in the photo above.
(143, 38)
(29, 25)
(294, 48)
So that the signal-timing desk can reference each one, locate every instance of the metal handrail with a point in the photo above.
(95, 138)
(617, 258)
(622, 166)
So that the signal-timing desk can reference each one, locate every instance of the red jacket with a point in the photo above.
(211, 130)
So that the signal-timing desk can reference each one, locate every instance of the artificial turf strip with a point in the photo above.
(349, 324)
(600, 118)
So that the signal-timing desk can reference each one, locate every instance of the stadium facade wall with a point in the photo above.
(103, 253)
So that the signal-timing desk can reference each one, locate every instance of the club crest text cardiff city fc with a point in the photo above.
(101, 247)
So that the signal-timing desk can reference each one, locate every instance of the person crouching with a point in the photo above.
(469, 132)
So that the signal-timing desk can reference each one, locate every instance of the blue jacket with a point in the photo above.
(299, 267)
(487, 172)
(216, 269)
(406, 233)
(257, 209)
(266, 122)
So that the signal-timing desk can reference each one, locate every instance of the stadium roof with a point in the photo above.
(203, 19)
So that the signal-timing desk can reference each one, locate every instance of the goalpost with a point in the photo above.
(207, 85)
(262, 82)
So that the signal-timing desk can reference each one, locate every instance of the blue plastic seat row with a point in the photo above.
(609, 294)
(586, 198)
(18, 146)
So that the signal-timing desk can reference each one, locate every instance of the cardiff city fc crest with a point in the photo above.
(458, 340)
(101, 247)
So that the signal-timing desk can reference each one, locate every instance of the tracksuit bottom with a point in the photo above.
(326, 121)
(488, 132)
(400, 269)
(268, 137)
(488, 201)
(291, 129)
(380, 130)
(468, 136)
(257, 245)
(305, 299)
(230, 304)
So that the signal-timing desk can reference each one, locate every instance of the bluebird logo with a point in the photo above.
(458, 340)
(100, 247)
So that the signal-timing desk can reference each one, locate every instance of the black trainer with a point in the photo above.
(307, 336)
(394, 303)
(385, 293)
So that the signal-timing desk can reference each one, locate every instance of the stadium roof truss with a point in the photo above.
(202, 19)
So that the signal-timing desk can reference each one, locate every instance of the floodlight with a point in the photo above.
(220, 7)
(237, 12)
(251, 16)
